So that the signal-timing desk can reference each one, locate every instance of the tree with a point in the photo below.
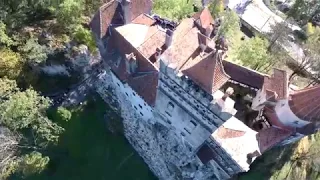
(27, 111)
(7, 88)
(309, 65)
(63, 114)
(34, 52)
(85, 36)
(4, 38)
(10, 63)
(32, 163)
(230, 25)
(216, 7)
(173, 9)
(253, 53)
(17, 13)
(70, 13)
(303, 10)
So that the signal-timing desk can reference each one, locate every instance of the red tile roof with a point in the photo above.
(208, 72)
(268, 138)
(277, 83)
(244, 75)
(305, 103)
(205, 18)
(144, 19)
(146, 86)
(111, 13)
(157, 40)
(139, 7)
(225, 133)
(182, 48)
(107, 14)
(144, 81)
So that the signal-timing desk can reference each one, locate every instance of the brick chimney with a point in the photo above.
(125, 4)
(169, 35)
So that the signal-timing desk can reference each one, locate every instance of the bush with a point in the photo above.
(63, 114)
(85, 36)
(173, 9)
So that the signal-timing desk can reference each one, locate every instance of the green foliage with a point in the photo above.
(310, 29)
(26, 165)
(4, 38)
(230, 24)
(10, 63)
(69, 13)
(34, 52)
(253, 53)
(302, 10)
(27, 110)
(85, 36)
(173, 9)
(63, 114)
(216, 8)
(7, 88)
(33, 163)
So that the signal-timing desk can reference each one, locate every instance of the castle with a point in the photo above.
(186, 111)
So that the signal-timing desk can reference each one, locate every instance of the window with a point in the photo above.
(144, 104)
(193, 123)
(170, 106)
(141, 114)
(187, 130)
(296, 122)
(118, 84)
(183, 134)
(133, 93)
(136, 107)
(127, 94)
(168, 114)
(140, 106)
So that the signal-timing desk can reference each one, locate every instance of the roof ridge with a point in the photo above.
(260, 73)
(305, 89)
(221, 65)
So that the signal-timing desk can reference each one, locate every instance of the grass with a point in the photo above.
(88, 151)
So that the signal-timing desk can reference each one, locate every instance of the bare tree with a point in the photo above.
(9, 142)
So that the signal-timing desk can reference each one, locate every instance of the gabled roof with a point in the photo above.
(238, 140)
(305, 103)
(270, 137)
(277, 83)
(108, 13)
(145, 84)
(204, 17)
(208, 72)
(111, 13)
(244, 75)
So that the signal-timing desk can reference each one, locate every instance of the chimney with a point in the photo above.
(131, 63)
(169, 35)
(203, 42)
(228, 92)
(126, 11)
(157, 54)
